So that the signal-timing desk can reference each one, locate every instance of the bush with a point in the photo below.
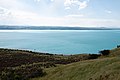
(93, 56)
(118, 46)
(104, 52)
(10, 74)
(21, 73)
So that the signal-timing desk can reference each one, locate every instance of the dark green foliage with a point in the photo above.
(12, 58)
(104, 52)
(118, 46)
(9, 74)
(21, 73)
(94, 56)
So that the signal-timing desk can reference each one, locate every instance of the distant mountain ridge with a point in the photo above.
(5, 27)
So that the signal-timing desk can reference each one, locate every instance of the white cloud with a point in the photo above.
(37, 0)
(42, 0)
(12, 4)
(90, 22)
(75, 15)
(5, 14)
(67, 8)
(52, 0)
(81, 4)
(108, 11)
(3, 11)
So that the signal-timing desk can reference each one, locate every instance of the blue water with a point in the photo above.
(60, 42)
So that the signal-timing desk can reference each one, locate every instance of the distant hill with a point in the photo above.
(5, 27)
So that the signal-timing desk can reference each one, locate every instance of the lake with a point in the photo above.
(60, 41)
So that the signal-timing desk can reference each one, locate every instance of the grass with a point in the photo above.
(99, 69)
(106, 68)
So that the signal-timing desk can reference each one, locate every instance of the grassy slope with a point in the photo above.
(99, 69)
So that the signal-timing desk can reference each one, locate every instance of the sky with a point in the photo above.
(73, 13)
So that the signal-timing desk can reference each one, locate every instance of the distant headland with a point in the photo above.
(8, 27)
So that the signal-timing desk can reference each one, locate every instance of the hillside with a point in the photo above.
(24, 65)
(107, 68)
(100, 69)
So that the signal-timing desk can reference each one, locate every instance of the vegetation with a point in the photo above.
(24, 65)
(21, 73)
(118, 46)
(99, 69)
(103, 68)
(104, 52)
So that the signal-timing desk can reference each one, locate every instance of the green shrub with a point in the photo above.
(94, 56)
(21, 73)
(10, 74)
(104, 52)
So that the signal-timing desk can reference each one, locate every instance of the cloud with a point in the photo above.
(10, 4)
(108, 11)
(4, 13)
(74, 3)
(3, 10)
(82, 5)
(52, 0)
(37, 0)
(75, 15)
(43, 0)
(90, 22)
(67, 8)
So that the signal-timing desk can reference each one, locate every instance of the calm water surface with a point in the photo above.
(60, 41)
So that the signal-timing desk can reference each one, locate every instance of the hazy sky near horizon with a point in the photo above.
(84, 13)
